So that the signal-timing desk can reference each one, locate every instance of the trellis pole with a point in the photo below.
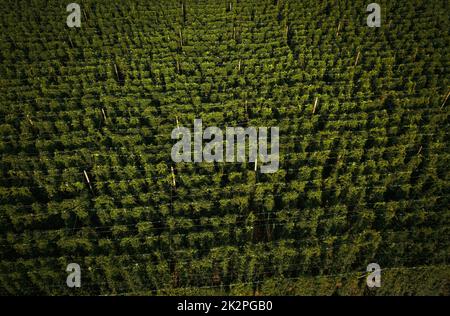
(85, 16)
(445, 100)
(315, 105)
(104, 114)
(29, 120)
(88, 181)
(357, 58)
(181, 38)
(420, 149)
(117, 73)
(174, 183)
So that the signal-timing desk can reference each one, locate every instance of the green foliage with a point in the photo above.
(362, 179)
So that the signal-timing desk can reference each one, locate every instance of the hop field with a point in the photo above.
(86, 116)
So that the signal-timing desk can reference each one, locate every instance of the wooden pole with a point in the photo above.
(85, 16)
(315, 105)
(173, 177)
(88, 181)
(339, 27)
(357, 58)
(420, 149)
(181, 38)
(117, 73)
(104, 114)
(29, 120)
(445, 100)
